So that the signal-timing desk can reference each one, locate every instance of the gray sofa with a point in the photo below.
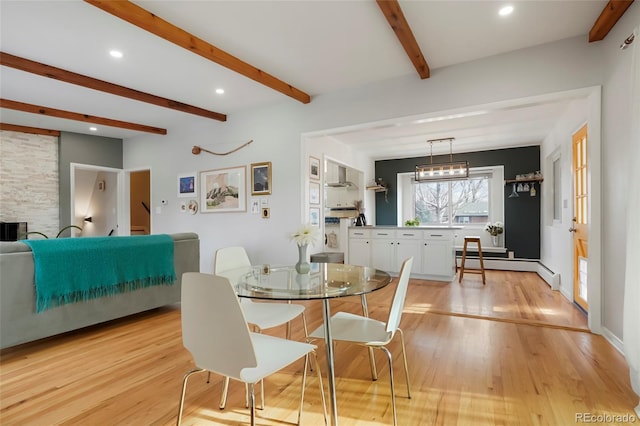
(19, 322)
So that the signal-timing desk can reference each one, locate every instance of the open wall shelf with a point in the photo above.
(523, 180)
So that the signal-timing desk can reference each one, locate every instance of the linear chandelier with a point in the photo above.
(445, 170)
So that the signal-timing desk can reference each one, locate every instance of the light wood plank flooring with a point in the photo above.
(509, 353)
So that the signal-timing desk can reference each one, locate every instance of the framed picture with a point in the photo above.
(314, 216)
(223, 190)
(314, 193)
(314, 168)
(187, 185)
(261, 178)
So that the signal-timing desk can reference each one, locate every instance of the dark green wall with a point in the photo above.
(521, 215)
(83, 149)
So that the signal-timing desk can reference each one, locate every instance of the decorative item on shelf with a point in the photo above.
(514, 193)
(305, 235)
(380, 185)
(495, 229)
(532, 192)
(439, 171)
(360, 220)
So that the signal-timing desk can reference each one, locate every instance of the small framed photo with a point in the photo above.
(261, 178)
(187, 185)
(223, 190)
(314, 193)
(314, 168)
(314, 216)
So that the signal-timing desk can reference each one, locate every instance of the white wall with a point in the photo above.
(277, 129)
(556, 242)
(617, 163)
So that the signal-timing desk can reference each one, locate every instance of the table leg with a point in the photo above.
(328, 340)
(372, 357)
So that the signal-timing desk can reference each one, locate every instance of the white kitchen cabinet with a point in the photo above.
(383, 249)
(359, 247)
(386, 248)
(438, 255)
(409, 243)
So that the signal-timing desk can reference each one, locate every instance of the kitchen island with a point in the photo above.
(386, 247)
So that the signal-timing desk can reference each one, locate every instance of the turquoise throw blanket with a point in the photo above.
(70, 270)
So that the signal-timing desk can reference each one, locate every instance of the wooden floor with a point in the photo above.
(509, 353)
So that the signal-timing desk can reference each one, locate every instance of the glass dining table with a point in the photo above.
(325, 281)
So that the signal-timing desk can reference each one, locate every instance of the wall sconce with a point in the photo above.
(88, 219)
(440, 171)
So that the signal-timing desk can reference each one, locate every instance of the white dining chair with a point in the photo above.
(216, 333)
(232, 262)
(371, 333)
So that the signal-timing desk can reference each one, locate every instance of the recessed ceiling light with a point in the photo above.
(115, 53)
(505, 11)
(93, 129)
(219, 91)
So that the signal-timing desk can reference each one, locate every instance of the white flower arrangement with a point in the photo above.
(306, 234)
(494, 229)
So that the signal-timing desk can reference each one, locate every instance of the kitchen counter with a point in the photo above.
(405, 227)
(386, 247)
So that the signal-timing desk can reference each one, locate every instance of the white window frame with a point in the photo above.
(406, 202)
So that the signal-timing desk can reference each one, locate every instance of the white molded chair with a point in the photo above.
(215, 332)
(375, 334)
(232, 262)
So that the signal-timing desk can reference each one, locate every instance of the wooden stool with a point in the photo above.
(470, 239)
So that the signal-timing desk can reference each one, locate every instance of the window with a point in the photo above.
(467, 202)
(452, 202)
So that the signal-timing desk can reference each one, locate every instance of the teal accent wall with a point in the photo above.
(521, 215)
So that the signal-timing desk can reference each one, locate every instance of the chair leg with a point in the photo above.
(406, 368)
(184, 390)
(324, 402)
(252, 404)
(306, 335)
(372, 357)
(393, 393)
(223, 395)
(304, 384)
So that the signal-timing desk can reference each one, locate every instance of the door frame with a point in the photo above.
(126, 196)
(120, 216)
(594, 175)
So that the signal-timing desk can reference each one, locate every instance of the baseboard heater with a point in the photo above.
(521, 265)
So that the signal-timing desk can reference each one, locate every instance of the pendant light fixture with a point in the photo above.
(440, 171)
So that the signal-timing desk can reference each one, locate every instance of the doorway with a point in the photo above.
(140, 202)
(95, 198)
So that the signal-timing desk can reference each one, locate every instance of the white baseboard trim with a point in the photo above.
(613, 339)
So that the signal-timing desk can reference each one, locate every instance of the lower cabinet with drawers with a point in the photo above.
(386, 248)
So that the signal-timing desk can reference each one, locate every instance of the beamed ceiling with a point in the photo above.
(57, 74)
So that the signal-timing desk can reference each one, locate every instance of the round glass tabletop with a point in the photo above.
(324, 281)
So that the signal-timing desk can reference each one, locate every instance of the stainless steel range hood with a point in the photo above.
(342, 179)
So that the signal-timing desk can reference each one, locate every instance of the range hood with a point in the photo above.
(342, 179)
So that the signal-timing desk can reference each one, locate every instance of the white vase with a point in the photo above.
(495, 240)
(302, 266)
